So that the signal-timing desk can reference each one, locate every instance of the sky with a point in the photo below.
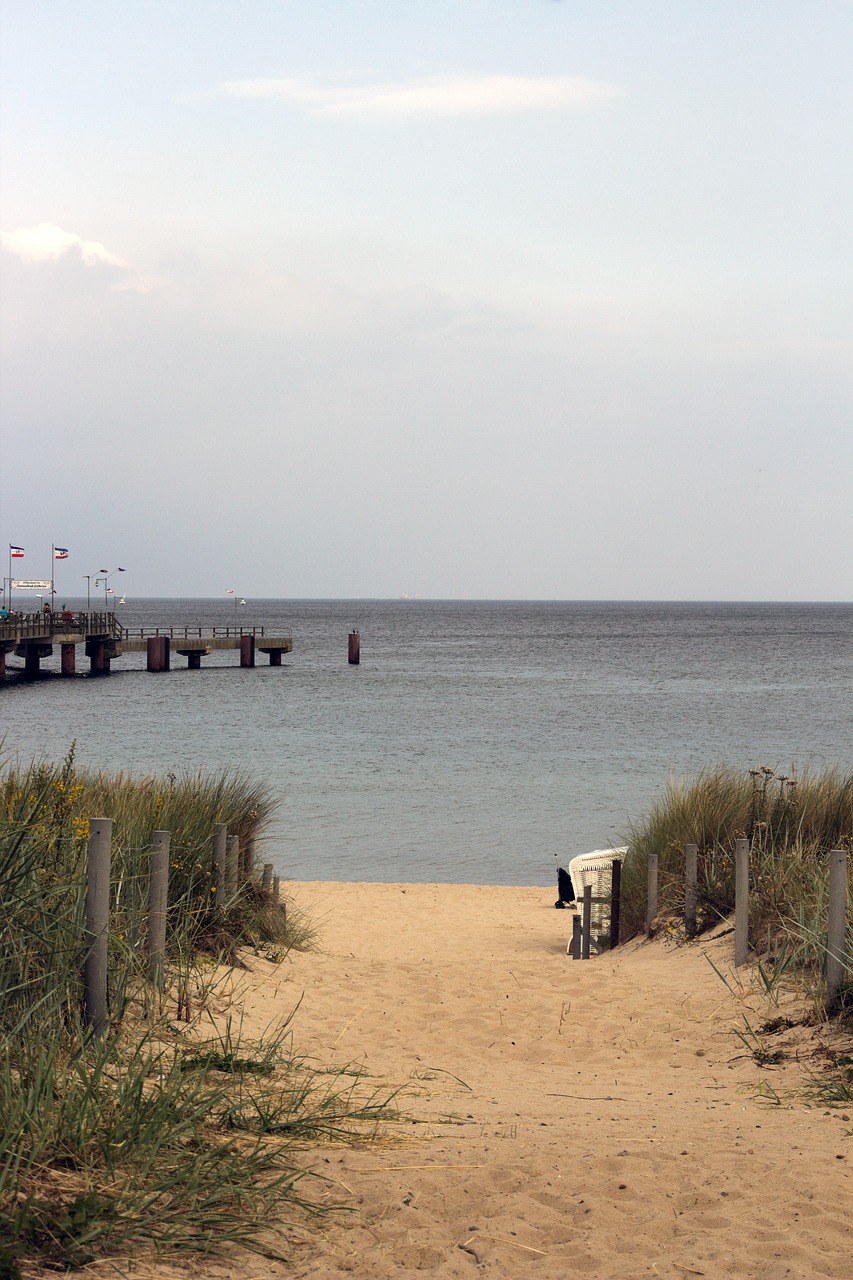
(503, 299)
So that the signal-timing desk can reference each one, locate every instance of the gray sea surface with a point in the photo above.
(477, 742)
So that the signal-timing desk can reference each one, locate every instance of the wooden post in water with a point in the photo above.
(220, 845)
(68, 659)
(165, 653)
(652, 892)
(232, 863)
(577, 930)
(152, 646)
(266, 882)
(247, 651)
(741, 902)
(98, 860)
(158, 902)
(691, 852)
(615, 896)
(836, 959)
(354, 648)
(587, 921)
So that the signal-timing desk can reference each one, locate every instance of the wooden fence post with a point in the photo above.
(99, 856)
(586, 928)
(276, 887)
(691, 852)
(652, 892)
(615, 895)
(158, 902)
(577, 930)
(232, 863)
(249, 858)
(836, 959)
(741, 902)
(220, 844)
(266, 882)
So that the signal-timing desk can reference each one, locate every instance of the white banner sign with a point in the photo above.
(30, 584)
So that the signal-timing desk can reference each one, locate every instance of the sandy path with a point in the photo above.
(608, 1126)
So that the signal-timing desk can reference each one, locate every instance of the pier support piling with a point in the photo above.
(69, 659)
(247, 651)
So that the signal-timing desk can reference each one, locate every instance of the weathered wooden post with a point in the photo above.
(577, 930)
(249, 858)
(158, 902)
(615, 903)
(276, 887)
(266, 882)
(354, 648)
(691, 852)
(836, 959)
(68, 659)
(217, 884)
(741, 902)
(247, 651)
(232, 863)
(153, 654)
(652, 891)
(99, 856)
(587, 921)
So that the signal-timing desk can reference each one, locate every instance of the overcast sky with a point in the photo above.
(458, 298)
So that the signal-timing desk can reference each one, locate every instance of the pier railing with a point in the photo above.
(197, 633)
(44, 625)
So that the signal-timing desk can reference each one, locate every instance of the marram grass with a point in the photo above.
(125, 1141)
(791, 821)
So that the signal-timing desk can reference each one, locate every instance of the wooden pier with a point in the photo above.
(32, 637)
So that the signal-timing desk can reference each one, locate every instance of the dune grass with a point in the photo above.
(154, 1134)
(792, 823)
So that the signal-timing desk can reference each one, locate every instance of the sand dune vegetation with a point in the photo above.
(792, 822)
(168, 1130)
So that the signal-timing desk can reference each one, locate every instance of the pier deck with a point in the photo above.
(32, 637)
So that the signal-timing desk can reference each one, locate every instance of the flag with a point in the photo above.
(60, 553)
(17, 553)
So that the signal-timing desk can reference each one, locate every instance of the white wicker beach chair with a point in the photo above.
(595, 869)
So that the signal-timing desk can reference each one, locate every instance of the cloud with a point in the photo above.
(48, 243)
(434, 96)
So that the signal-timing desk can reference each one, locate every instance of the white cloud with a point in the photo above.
(47, 243)
(436, 96)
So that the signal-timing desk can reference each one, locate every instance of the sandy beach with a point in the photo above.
(558, 1118)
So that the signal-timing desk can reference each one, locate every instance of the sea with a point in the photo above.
(481, 742)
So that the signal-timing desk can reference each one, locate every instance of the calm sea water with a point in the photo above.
(477, 742)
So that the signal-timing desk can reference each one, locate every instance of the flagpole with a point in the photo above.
(52, 573)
